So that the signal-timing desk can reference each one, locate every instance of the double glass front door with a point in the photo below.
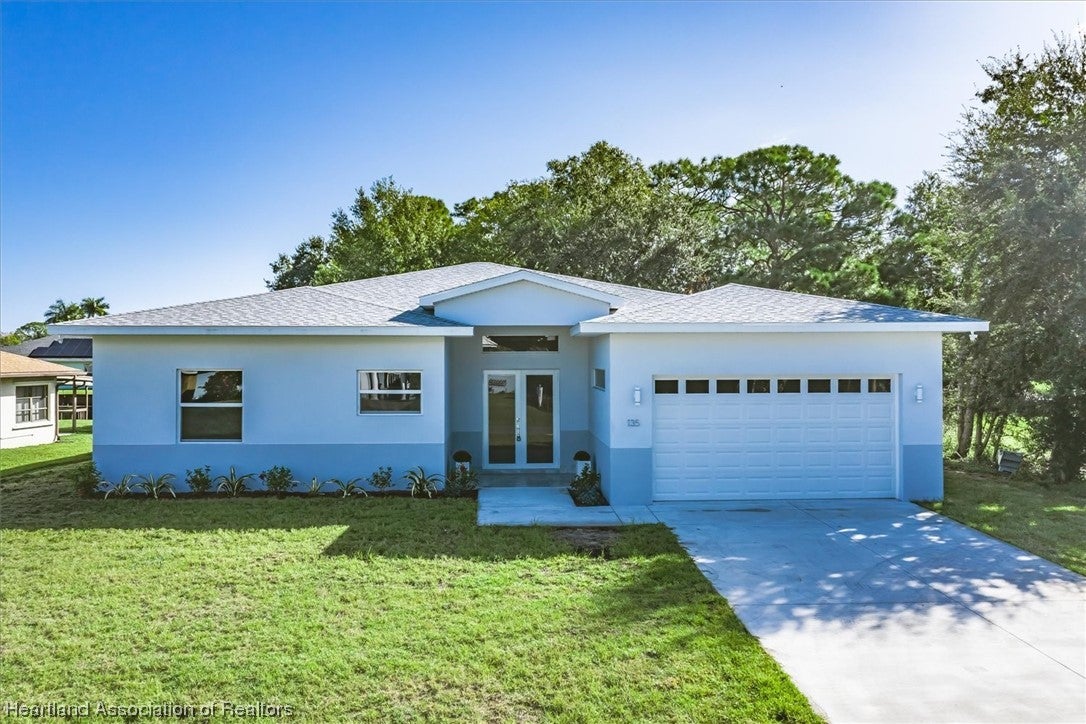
(520, 425)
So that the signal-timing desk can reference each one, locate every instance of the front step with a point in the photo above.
(523, 479)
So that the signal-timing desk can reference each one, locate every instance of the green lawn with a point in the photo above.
(70, 448)
(1046, 519)
(392, 609)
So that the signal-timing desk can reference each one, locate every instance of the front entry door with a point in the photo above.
(520, 418)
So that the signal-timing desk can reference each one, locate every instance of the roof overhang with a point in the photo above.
(521, 275)
(602, 327)
(227, 331)
(76, 374)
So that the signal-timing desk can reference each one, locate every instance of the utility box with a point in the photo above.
(1008, 462)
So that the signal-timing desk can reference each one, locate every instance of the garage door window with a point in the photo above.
(818, 386)
(848, 385)
(787, 386)
(757, 387)
(878, 385)
(697, 387)
(666, 387)
(727, 387)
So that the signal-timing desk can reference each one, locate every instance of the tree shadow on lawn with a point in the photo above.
(875, 569)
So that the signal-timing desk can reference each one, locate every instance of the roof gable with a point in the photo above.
(522, 275)
(379, 305)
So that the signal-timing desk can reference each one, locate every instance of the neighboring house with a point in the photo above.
(74, 352)
(733, 393)
(28, 399)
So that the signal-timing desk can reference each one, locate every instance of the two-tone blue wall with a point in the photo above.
(624, 443)
(300, 405)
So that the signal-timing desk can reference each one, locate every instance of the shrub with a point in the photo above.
(156, 486)
(87, 479)
(585, 488)
(461, 456)
(233, 484)
(420, 482)
(461, 481)
(278, 479)
(199, 479)
(315, 486)
(348, 488)
(381, 478)
(119, 489)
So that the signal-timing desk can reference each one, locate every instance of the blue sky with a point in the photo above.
(156, 154)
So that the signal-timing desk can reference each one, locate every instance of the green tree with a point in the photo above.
(62, 311)
(32, 330)
(387, 230)
(300, 268)
(788, 218)
(94, 307)
(1019, 162)
(922, 266)
(600, 215)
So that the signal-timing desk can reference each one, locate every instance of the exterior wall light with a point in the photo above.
(637, 395)
(919, 393)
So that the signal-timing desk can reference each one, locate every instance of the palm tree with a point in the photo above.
(62, 311)
(94, 307)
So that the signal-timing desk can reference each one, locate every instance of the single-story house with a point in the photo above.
(76, 352)
(28, 399)
(736, 392)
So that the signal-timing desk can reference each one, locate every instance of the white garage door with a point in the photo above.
(721, 438)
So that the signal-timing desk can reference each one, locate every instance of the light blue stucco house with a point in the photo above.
(733, 393)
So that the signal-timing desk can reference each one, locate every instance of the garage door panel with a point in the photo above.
(757, 411)
(848, 438)
(774, 445)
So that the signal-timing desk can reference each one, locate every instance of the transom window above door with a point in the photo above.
(520, 343)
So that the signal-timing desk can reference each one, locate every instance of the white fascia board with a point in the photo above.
(587, 328)
(521, 275)
(119, 330)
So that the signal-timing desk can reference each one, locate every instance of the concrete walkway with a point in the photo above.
(882, 611)
(552, 506)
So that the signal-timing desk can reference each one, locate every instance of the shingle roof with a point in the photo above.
(300, 307)
(393, 302)
(16, 365)
(742, 304)
(390, 301)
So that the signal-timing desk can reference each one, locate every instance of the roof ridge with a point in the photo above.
(824, 297)
(677, 295)
(72, 322)
(322, 290)
(417, 271)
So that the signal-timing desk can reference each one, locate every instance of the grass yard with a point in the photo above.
(1046, 519)
(392, 609)
(70, 448)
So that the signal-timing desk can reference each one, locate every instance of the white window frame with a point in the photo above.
(45, 411)
(359, 392)
(205, 405)
(599, 378)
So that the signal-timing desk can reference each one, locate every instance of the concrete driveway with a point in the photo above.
(882, 611)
